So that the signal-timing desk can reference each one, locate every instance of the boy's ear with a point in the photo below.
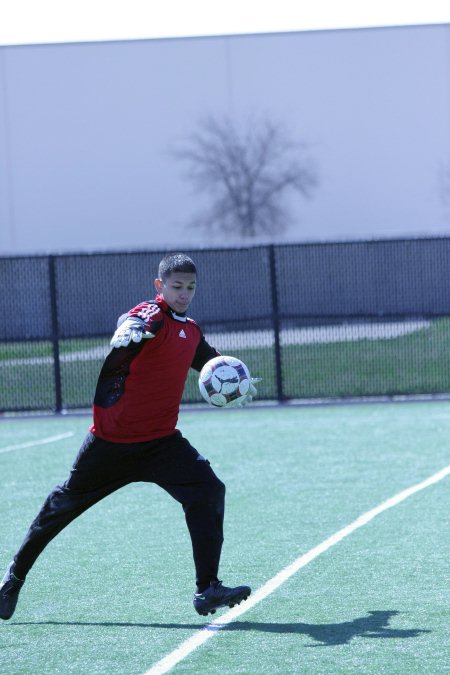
(158, 285)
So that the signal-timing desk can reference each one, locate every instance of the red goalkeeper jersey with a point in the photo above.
(140, 387)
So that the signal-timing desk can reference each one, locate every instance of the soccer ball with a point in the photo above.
(223, 380)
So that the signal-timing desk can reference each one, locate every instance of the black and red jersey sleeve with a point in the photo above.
(203, 354)
(151, 314)
(114, 372)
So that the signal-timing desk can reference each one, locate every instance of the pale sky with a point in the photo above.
(56, 21)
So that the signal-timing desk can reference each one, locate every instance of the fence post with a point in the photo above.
(276, 323)
(55, 333)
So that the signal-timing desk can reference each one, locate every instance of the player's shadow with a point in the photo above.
(374, 625)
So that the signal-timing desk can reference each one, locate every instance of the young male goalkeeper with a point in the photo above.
(134, 438)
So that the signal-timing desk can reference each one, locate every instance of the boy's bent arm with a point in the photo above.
(142, 322)
(204, 353)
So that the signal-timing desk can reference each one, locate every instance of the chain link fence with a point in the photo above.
(324, 320)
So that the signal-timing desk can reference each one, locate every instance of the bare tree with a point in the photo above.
(246, 175)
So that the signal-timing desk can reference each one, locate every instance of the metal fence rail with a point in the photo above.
(330, 320)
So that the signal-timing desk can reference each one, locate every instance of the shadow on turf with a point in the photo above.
(374, 625)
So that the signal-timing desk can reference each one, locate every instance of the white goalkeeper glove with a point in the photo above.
(131, 330)
(249, 396)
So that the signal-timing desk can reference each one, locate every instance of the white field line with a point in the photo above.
(31, 444)
(257, 338)
(201, 636)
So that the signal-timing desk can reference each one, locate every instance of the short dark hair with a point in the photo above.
(175, 262)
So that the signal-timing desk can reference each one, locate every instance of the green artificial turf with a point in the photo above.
(112, 594)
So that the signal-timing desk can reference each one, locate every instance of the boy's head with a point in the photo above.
(175, 262)
(176, 282)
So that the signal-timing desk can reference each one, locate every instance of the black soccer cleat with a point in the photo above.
(219, 596)
(9, 593)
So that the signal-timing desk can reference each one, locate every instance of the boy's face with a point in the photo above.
(177, 290)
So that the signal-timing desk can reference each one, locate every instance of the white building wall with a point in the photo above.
(87, 133)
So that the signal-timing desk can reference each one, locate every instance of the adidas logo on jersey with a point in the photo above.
(182, 333)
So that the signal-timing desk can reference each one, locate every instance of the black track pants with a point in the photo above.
(102, 467)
